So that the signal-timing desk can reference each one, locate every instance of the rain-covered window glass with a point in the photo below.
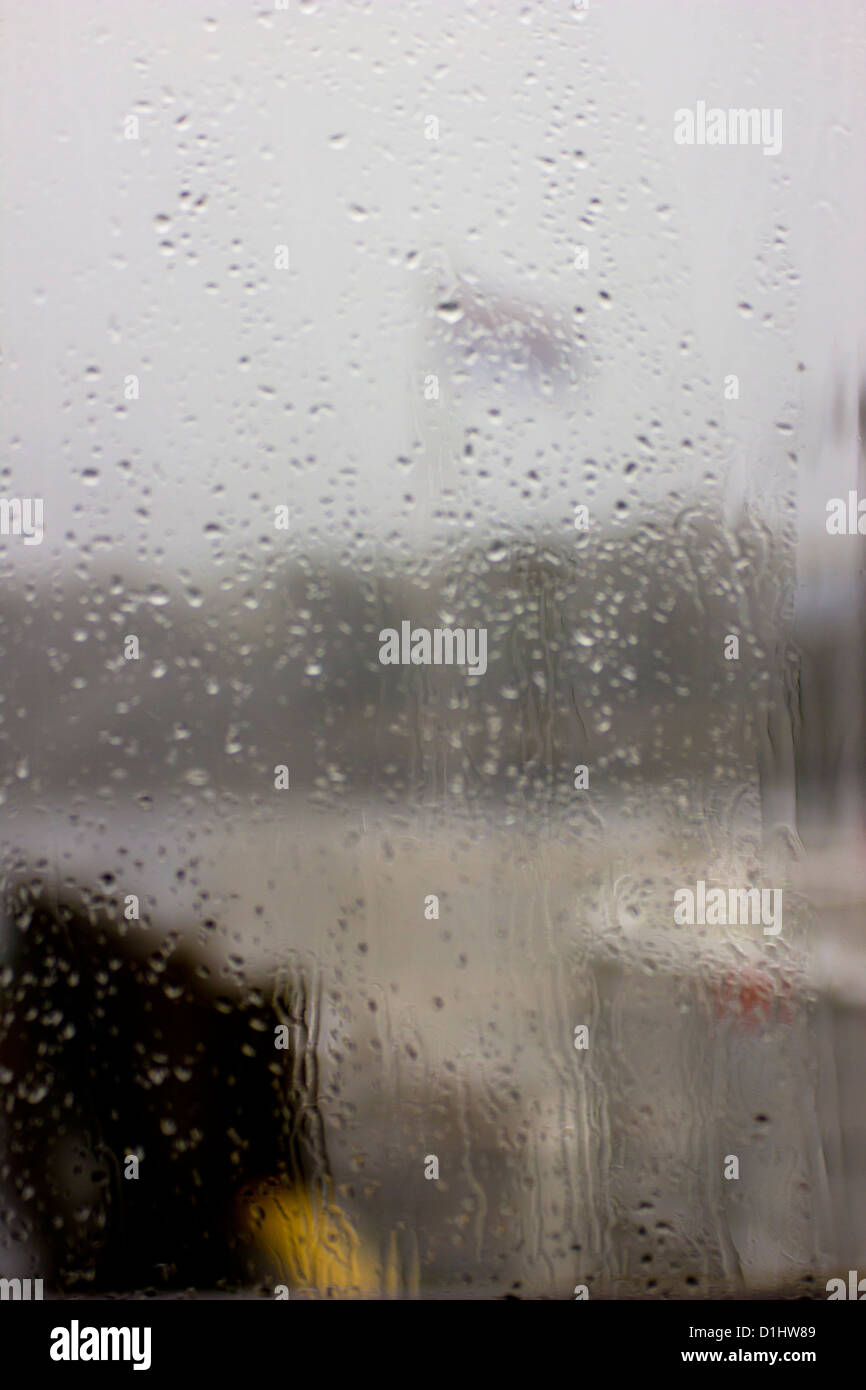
(431, 704)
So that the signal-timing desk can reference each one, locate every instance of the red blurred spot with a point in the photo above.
(754, 997)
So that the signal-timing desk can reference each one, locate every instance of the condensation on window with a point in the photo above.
(431, 626)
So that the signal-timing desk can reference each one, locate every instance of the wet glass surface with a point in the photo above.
(431, 709)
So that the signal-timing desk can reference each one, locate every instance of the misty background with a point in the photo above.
(411, 258)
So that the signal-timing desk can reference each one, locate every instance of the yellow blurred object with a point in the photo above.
(308, 1241)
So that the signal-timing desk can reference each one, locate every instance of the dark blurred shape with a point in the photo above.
(115, 1048)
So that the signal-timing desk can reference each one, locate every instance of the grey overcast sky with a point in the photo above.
(305, 127)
